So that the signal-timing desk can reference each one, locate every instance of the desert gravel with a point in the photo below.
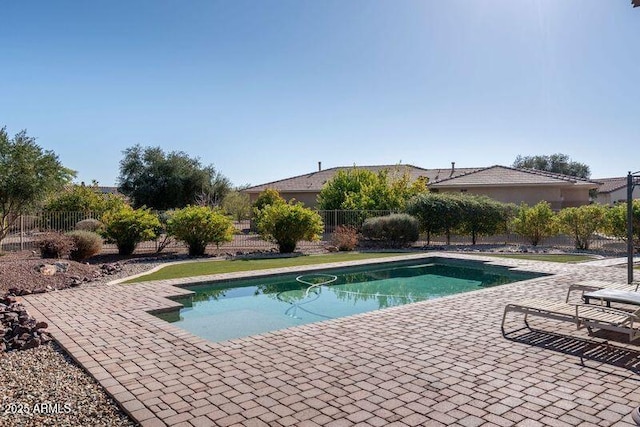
(44, 387)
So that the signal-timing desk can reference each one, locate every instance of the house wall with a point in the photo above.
(619, 195)
(557, 197)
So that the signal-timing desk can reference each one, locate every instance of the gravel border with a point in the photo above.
(43, 386)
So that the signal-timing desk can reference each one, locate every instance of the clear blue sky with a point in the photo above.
(263, 90)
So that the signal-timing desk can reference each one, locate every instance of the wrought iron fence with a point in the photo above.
(27, 229)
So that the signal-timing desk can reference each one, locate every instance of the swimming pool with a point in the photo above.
(232, 309)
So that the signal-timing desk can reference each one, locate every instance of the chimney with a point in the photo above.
(319, 166)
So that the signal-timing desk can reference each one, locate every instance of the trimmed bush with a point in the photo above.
(396, 230)
(89, 224)
(286, 224)
(582, 223)
(87, 244)
(345, 238)
(198, 226)
(55, 245)
(126, 227)
(535, 223)
(437, 213)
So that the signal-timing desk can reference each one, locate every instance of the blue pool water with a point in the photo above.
(233, 309)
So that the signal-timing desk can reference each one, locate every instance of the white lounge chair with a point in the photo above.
(594, 285)
(582, 315)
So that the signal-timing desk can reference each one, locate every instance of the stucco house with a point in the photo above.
(614, 190)
(502, 183)
(517, 185)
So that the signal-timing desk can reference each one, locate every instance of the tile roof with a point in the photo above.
(314, 181)
(503, 175)
(607, 185)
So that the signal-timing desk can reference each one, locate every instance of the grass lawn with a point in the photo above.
(203, 268)
(546, 257)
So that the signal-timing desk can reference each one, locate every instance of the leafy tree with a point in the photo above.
(437, 213)
(83, 198)
(482, 216)
(270, 196)
(27, 175)
(616, 224)
(237, 204)
(150, 177)
(558, 163)
(288, 223)
(582, 223)
(79, 202)
(198, 226)
(535, 222)
(126, 227)
(362, 189)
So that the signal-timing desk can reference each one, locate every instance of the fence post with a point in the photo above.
(21, 232)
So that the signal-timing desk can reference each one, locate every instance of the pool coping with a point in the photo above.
(110, 336)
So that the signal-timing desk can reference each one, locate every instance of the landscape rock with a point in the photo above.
(47, 269)
(18, 330)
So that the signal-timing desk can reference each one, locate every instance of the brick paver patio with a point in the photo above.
(439, 362)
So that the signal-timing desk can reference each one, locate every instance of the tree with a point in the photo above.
(582, 223)
(362, 189)
(237, 204)
(288, 223)
(198, 226)
(83, 198)
(482, 216)
(616, 224)
(27, 175)
(165, 181)
(126, 227)
(437, 213)
(535, 222)
(557, 163)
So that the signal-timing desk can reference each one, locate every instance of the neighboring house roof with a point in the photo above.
(313, 182)
(108, 190)
(507, 176)
(608, 185)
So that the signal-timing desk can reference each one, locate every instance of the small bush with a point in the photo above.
(89, 224)
(286, 224)
(87, 244)
(126, 227)
(396, 230)
(345, 238)
(55, 245)
(198, 226)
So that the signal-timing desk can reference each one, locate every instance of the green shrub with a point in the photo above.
(86, 244)
(396, 230)
(483, 216)
(198, 226)
(55, 245)
(616, 224)
(582, 223)
(89, 224)
(126, 227)
(286, 224)
(535, 223)
(345, 238)
(437, 213)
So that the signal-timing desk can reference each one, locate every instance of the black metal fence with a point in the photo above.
(26, 230)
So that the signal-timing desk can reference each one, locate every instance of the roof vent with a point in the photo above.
(319, 166)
